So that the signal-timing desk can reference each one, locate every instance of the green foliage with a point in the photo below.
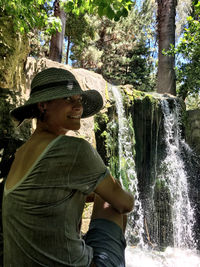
(113, 9)
(36, 18)
(28, 15)
(118, 166)
(101, 118)
(8, 100)
(39, 44)
(188, 68)
(77, 27)
(5, 106)
(112, 148)
(129, 67)
(192, 101)
(120, 51)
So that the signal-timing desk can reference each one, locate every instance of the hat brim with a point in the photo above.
(92, 104)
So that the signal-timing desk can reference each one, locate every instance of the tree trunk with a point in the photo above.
(68, 47)
(56, 44)
(166, 81)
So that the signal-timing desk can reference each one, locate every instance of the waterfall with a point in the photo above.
(127, 165)
(176, 178)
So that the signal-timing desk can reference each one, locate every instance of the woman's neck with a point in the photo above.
(44, 129)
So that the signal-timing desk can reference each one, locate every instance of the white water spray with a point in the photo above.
(184, 252)
(127, 164)
(176, 178)
(171, 257)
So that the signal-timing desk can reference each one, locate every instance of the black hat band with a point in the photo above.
(69, 85)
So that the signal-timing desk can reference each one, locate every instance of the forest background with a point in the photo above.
(116, 38)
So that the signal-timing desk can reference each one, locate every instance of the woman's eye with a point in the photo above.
(68, 98)
(71, 99)
(80, 100)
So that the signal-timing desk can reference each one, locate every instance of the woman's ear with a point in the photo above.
(42, 110)
(42, 106)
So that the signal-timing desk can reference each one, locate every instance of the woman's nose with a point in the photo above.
(77, 104)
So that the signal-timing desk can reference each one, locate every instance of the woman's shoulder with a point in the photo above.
(73, 140)
(78, 144)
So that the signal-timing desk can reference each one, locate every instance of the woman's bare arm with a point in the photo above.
(111, 191)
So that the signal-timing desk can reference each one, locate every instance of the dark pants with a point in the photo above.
(108, 243)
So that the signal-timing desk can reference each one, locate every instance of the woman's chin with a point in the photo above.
(74, 127)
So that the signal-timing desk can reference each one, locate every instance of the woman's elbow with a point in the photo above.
(127, 206)
(130, 205)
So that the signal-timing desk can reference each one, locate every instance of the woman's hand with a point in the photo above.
(90, 197)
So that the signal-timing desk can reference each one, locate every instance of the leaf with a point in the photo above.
(21, 29)
(100, 11)
(189, 18)
(68, 7)
(124, 12)
(117, 16)
(110, 13)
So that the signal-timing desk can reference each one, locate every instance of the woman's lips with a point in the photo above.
(75, 117)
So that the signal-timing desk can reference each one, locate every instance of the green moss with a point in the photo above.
(160, 184)
(104, 134)
(100, 118)
(6, 104)
(112, 148)
(96, 126)
(106, 92)
(8, 101)
(14, 50)
(131, 95)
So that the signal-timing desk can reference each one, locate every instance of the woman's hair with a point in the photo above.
(33, 112)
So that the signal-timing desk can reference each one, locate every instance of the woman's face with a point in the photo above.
(64, 114)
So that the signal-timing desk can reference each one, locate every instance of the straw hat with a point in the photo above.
(55, 83)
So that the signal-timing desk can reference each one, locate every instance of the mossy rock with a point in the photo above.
(14, 49)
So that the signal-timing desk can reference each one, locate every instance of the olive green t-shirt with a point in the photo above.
(42, 212)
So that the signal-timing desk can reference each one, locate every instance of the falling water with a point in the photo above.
(127, 164)
(176, 178)
(184, 251)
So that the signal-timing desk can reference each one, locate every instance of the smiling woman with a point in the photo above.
(56, 83)
(61, 115)
(50, 179)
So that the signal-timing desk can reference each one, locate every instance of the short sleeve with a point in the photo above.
(88, 169)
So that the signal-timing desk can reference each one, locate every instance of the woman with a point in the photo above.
(50, 179)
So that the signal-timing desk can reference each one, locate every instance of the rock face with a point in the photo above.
(193, 129)
(14, 51)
